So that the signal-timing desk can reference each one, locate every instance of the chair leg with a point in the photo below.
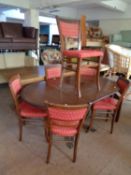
(46, 134)
(78, 78)
(118, 114)
(20, 129)
(98, 81)
(92, 119)
(49, 148)
(62, 74)
(112, 123)
(75, 147)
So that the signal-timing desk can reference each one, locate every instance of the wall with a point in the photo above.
(100, 13)
(109, 20)
(114, 26)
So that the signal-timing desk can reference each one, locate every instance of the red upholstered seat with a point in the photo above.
(29, 111)
(82, 53)
(106, 104)
(64, 121)
(24, 110)
(111, 106)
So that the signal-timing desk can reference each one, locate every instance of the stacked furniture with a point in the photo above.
(14, 36)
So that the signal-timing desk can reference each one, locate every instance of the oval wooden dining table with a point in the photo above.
(50, 91)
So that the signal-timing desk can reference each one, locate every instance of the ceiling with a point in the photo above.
(51, 6)
(118, 5)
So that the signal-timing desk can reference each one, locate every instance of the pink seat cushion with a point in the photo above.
(63, 131)
(82, 53)
(27, 110)
(106, 104)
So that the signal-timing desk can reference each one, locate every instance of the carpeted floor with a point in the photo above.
(99, 153)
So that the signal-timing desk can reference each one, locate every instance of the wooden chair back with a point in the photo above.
(52, 71)
(15, 87)
(70, 33)
(64, 121)
(66, 117)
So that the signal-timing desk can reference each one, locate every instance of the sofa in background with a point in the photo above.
(123, 38)
(11, 63)
(14, 36)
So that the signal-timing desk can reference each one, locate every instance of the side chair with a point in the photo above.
(111, 106)
(25, 111)
(52, 71)
(70, 39)
(64, 121)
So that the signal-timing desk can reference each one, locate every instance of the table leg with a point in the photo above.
(90, 126)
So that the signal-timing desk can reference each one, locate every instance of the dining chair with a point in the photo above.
(52, 71)
(25, 111)
(70, 40)
(66, 122)
(111, 106)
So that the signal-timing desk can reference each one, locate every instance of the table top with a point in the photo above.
(49, 91)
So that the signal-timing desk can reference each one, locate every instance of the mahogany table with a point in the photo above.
(40, 92)
(50, 91)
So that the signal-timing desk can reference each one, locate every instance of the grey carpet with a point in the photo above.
(99, 153)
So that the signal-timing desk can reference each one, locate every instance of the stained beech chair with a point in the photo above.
(70, 39)
(111, 105)
(66, 122)
(26, 112)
